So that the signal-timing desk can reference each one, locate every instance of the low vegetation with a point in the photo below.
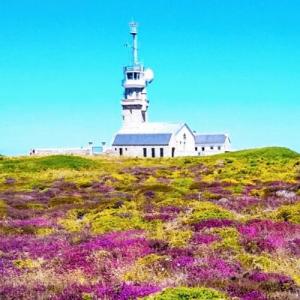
(220, 227)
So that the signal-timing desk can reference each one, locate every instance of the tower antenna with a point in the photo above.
(133, 31)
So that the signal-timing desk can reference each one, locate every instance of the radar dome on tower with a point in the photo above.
(149, 75)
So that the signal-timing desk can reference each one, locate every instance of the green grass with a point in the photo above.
(267, 152)
(46, 163)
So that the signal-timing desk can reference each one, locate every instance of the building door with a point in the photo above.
(161, 152)
(153, 152)
(121, 151)
(145, 152)
(173, 151)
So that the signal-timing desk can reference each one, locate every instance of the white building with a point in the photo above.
(209, 144)
(140, 138)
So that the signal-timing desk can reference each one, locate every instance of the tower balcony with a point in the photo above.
(134, 102)
(134, 83)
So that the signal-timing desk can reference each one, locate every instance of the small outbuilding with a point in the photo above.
(209, 144)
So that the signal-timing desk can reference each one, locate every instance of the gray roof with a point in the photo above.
(133, 139)
(210, 138)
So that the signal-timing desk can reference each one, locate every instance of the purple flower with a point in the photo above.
(213, 223)
(212, 269)
(159, 216)
(9, 180)
(274, 277)
(133, 291)
(294, 246)
(172, 209)
(254, 295)
(182, 262)
(125, 291)
(200, 238)
(266, 235)
(36, 222)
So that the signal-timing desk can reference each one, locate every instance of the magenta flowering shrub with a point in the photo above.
(212, 269)
(270, 236)
(173, 210)
(9, 181)
(102, 187)
(159, 216)
(182, 262)
(213, 223)
(36, 222)
(122, 291)
(202, 238)
(34, 247)
(242, 203)
(244, 292)
(264, 277)
(254, 295)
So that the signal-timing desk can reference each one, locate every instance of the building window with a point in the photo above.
(121, 151)
(203, 148)
(161, 152)
(145, 152)
(211, 147)
(196, 148)
(125, 149)
(153, 152)
(129, 76)
(184, 136)
(136, 75)
(219, 147)
(116, 149)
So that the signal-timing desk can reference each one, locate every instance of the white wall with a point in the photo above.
(137, 151)
(133, 117)
(61, 151)
(209, 151)
(183, 147)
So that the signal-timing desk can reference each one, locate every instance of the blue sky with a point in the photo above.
(221, 66)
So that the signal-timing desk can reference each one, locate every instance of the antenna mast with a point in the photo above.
(133, 31)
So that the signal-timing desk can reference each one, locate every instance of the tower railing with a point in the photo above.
(138, 67)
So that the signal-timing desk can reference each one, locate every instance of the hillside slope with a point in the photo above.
(220, 227)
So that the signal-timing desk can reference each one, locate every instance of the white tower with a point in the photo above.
(136, 79)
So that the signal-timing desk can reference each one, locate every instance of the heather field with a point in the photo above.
(220, 227)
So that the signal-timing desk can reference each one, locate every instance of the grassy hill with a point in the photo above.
(219, 227)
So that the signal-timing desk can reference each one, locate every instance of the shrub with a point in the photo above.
(185, 293)
(207, 210)
(182, 184)
(65, 201)
(150, 268)
(179, 238)
(229, 239)
(27, 263)
(3, 208)
(289, 213)
(114, 220)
